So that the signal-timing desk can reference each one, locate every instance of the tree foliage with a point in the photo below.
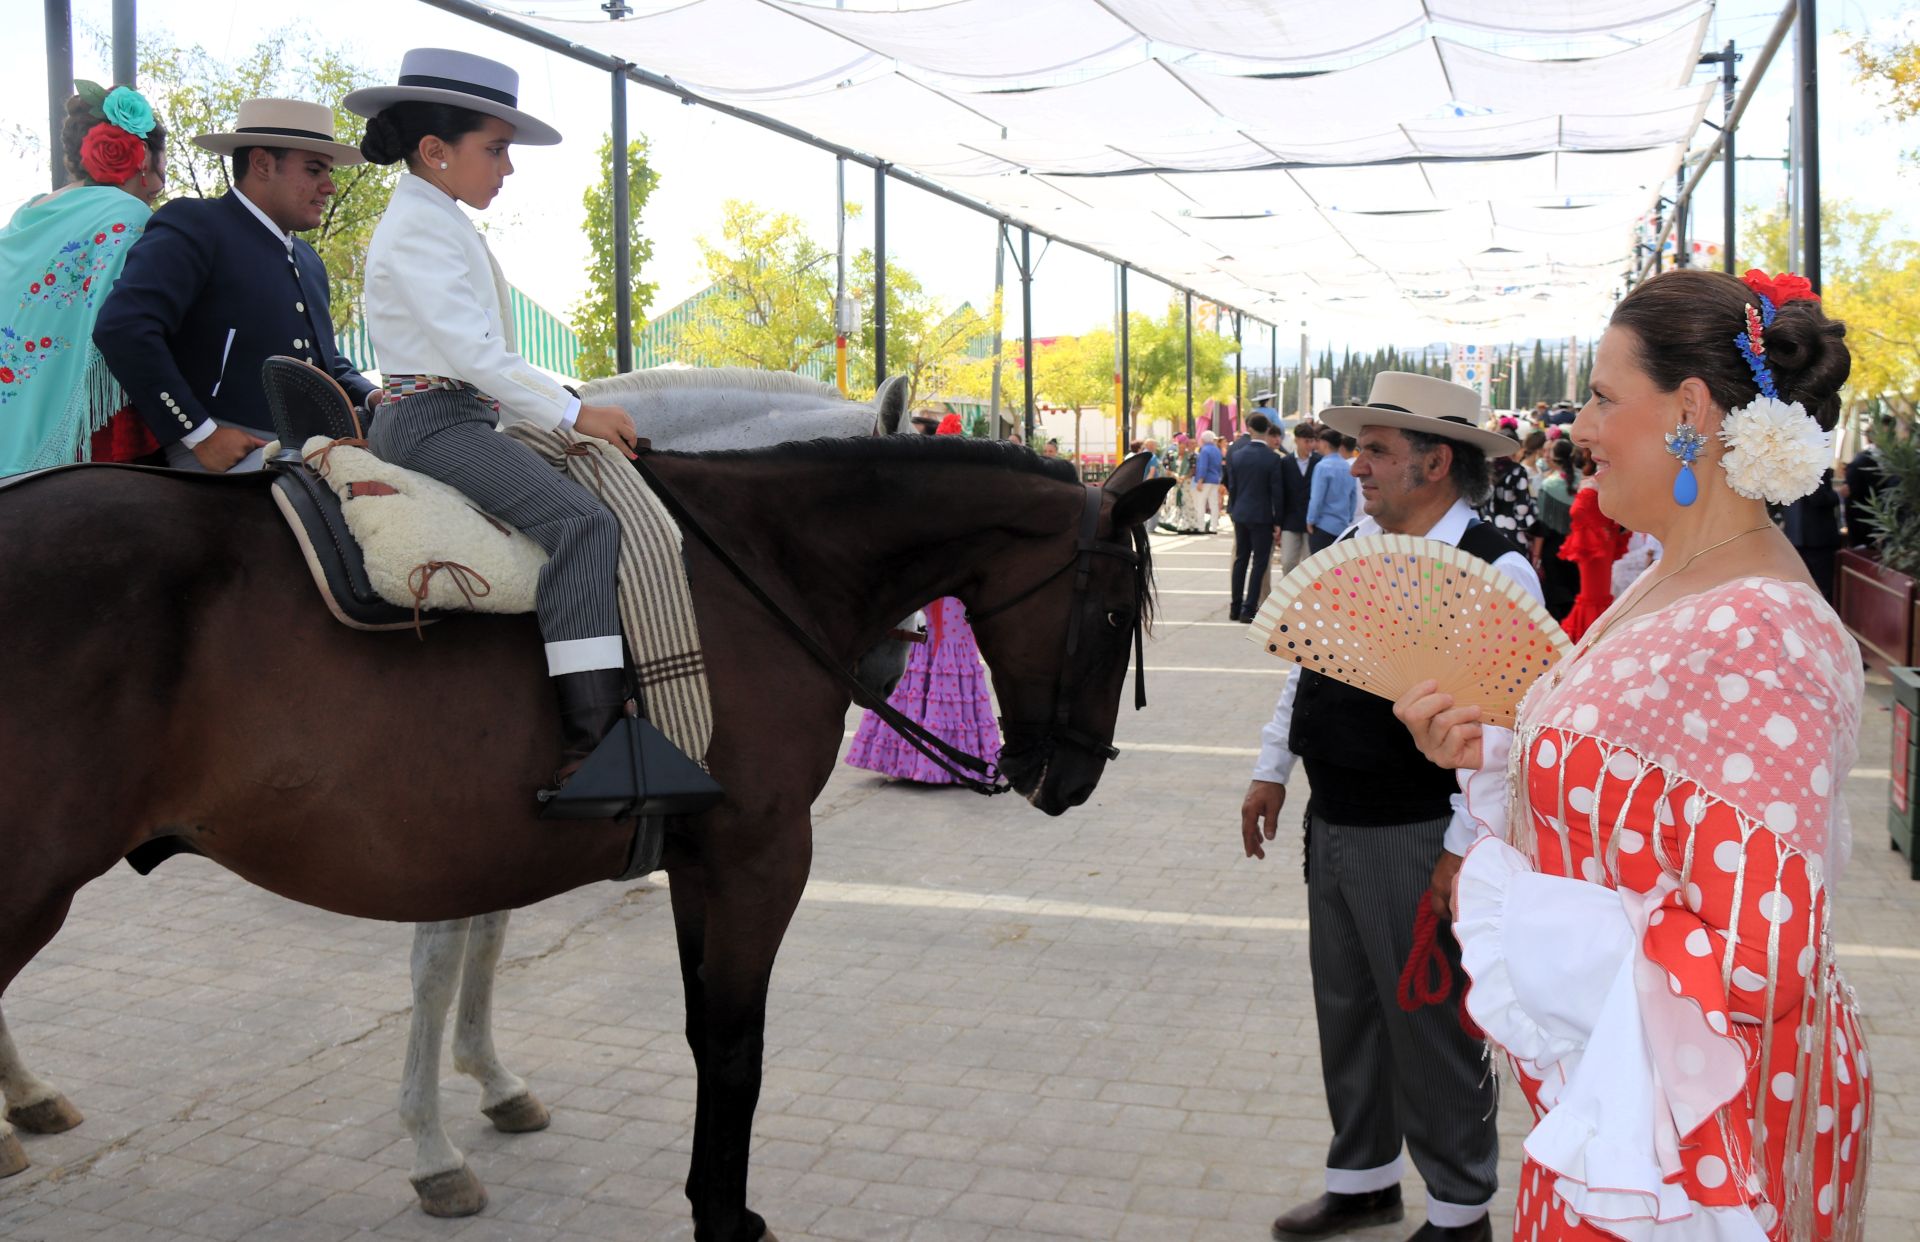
(593, 316)
(927, 340)
(773, 300)
(194, 92)
(1870, 281)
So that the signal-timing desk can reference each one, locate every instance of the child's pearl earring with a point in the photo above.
(443, 166)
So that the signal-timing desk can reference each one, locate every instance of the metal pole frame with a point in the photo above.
(622, 233)
(1190, 362)
(1273, 370)
(1713, 152)
(879, 274)
(126, 44)
(1026, 321)
(59, 80)
(1728, 159)
(1126, 367)
(1807, 113)
(1239, 372)
(484, 16)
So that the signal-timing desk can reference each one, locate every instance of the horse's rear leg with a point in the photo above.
(504, 1097)
(32, 1103)
(441, 1178)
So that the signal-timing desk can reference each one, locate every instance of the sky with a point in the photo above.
(704, 158)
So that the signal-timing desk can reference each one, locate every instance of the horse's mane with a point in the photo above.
(907, 449)
(660, 378)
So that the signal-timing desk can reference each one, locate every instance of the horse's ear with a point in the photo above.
(890, 404)
(1128, 475)
(1140, 504)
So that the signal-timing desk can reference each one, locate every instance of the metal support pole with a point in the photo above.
(999, 322)
(1680, 256)
(843, 321)
(622, 234)
(1126, 365)
(1728, 161)
(1189, 362)
(1273, 369)
(126, 50)
(1239, 386)
(1808, 115)
(59, 80)
(1026, 321)
(1305, 394)
(879, 273)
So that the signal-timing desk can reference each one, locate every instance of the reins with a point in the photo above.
(943, 753)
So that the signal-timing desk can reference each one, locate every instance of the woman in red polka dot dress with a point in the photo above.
(1645, 917)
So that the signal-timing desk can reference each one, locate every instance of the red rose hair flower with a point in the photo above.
(1781, 289)
(112, 156)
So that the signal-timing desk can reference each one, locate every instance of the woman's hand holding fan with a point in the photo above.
(1386, 613)
(1448, 736)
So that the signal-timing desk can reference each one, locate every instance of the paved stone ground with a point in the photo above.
(985, 1025)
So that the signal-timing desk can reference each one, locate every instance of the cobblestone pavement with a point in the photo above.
(985, 1024)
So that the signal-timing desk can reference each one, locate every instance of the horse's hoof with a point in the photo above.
(457, 1192)
(53, 1115)
(13, 1157)
(523, 1114)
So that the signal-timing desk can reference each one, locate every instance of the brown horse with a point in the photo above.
(163, 630)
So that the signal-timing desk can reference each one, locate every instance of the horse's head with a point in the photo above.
(1057, 620)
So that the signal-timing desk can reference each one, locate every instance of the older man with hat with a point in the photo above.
(216, 286)
(1385, 835)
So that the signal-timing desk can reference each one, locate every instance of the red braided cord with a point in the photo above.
(1428, 979)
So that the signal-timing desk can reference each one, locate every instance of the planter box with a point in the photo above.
(1903, 794)
(1878, 606)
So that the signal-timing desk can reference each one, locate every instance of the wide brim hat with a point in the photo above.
(291, 123)
(1421, 403)
(441, 75)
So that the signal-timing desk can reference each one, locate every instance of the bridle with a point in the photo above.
(979, 774)
(1060, 726)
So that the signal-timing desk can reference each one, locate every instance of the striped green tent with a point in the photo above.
(545, 341)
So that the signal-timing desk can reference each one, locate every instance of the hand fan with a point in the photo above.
(1385, 612)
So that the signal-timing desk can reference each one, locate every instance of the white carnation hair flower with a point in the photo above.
(1775, 450)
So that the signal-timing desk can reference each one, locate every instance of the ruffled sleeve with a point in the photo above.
(1592, 535)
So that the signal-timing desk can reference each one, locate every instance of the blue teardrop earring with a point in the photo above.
(1685, 443)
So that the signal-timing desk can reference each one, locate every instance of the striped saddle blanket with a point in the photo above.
(426, 547)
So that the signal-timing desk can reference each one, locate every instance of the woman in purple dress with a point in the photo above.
(945, 689)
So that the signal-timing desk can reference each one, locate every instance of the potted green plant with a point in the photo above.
(1876, 585)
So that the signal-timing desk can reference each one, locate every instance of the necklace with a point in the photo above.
(1593, 640)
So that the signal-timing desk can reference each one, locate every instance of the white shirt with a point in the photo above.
(438, 304)
(284, 235)
(1276, 761)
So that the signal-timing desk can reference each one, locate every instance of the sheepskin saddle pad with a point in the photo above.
(423, 545)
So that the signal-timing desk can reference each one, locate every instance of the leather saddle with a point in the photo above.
(304, 402)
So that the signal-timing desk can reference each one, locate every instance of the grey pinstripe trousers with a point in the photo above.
(450, 436)
(1392, 1076)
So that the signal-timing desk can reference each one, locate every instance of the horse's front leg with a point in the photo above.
(746, 915)
(504, 1096)
(441, 1178)
(31, 1103)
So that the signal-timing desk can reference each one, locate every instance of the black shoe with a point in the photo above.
(1245, 618)
(1332, 1214)
(1479, 1231)
(613, 765)
(590, 703)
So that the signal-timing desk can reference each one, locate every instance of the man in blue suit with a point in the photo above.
(217, 286)
(1256, 494)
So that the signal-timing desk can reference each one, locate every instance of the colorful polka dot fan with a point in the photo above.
(1385, 612)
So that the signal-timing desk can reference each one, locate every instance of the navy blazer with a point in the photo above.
(203, 269)
(1255, 486)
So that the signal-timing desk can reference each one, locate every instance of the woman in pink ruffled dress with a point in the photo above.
(1645, 917)
(944, 688)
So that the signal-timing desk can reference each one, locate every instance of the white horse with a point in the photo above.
(690, 410)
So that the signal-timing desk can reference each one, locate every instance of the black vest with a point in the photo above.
(1361, 762)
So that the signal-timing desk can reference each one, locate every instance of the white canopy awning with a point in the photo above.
(1459, 158)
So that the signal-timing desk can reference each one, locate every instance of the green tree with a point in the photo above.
(773, 302)
(1871, 282)
(195, 92)
(927, 341)
(593, 315)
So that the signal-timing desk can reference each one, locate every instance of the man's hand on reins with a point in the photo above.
(1260, 815)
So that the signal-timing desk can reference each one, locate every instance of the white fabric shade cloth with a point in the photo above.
(1460, 158)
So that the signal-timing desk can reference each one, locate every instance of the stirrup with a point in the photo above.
(634, 771)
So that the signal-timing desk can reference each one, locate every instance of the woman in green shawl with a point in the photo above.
(59, 256)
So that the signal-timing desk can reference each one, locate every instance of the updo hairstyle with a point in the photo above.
(395, 133)
(1686, 320)
(80, 119)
